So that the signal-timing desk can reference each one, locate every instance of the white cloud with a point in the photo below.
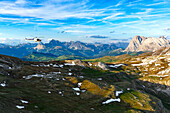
(20, 2)
(75, 31)
(112, 16)
(158, 3)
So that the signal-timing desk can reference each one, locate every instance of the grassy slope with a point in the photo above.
(36, 90)
(48, 57)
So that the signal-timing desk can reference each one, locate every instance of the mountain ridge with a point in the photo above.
(141, 43)
(58, 48)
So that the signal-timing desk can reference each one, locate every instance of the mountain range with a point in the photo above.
(81, 50)
(58, 48)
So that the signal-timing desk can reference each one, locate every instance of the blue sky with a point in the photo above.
(84, 20)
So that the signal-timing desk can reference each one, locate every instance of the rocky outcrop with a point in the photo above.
(39, 46)
(141, 43)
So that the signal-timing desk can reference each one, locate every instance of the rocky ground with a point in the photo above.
(73, 86)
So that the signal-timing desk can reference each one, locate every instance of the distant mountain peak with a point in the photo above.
(141, 43)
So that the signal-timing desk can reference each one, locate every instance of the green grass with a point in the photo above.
(137, 100)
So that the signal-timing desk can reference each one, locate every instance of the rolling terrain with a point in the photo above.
(77, 86)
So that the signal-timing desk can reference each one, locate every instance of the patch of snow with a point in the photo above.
(63, 79)
(19, 107)
(99, 79)
(118, 92)
(76, 89)
(34, 65)
(35, 106)
(128, 88)
(49, 91)
(143, 86)
(56, 72)
(60, 92)
(57, 79)
(115, 66)
(150, 62)
(73, 63)
(10, 67)
(69, 73)
(157, 64)
(3, 84)
(24, 101)
(79, 84)
(83, 91)
(141, 64)
(90, 64)
(92, 109)
(55, 65)
(70, 64)
(77, 93)
(81, 76)
(30, 76)
(61, 65)
(111, 100)
(162, 57)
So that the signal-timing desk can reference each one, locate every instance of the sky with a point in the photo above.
(104, 21)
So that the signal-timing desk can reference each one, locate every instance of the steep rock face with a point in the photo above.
(140, 43)
(39, 46)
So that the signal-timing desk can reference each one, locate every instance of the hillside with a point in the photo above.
(117, 58)
(36, 56)
(141, 43)
(76, 86)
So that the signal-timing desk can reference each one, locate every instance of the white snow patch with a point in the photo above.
(111, 100)
(76, 89)
(81, 76)
(150, 62)
(63, 78)
(10, 67)
(128, 88)
(77, 93)
(61, 65)
(69, 73)
(118, 92)
(49, 91)
(55, 65)
(57, 79)
(139, 64)
(56, 72)
(99, 79)
(70, 64)
(19, 107)
(30, 76)
(60, 92)
(3, 84)
(79, 84)
(157, 64)
(83, 91)
(24, 101)
(115, 66)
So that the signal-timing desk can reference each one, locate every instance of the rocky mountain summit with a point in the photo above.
(77, 86)
(141, 43)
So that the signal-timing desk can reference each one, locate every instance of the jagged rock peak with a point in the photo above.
(141, 43)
